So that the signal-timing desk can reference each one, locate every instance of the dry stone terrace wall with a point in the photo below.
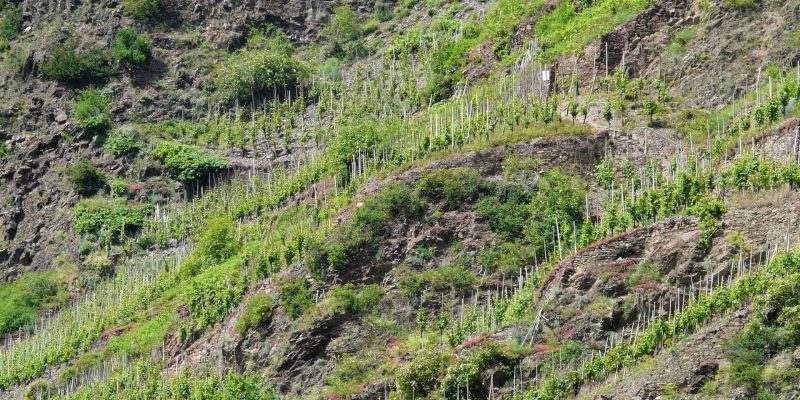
(582, 152)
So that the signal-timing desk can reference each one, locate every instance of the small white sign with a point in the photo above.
(546, 75)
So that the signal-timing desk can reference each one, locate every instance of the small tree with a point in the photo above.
(129, 48)
(142, 10)
(85, 178)
(649, 106)
(442, 322)
(607, 114)
(573, 109)
(422, 321)
(91, 111)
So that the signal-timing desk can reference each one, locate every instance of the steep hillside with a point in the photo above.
(371, 200)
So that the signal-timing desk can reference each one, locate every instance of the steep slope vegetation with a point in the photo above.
(507, 199)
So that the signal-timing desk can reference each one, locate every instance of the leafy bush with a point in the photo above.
(256, 71)
(37, 390)
(217, 243)
(383, 11)
(98, 264)
(142, 10)
(559, 199)
(366, 227)
(455, 278)
(354, 299)
(130, 48)
(419, 377)
(453, 186)
(709, 210)
(121, 143)
(211, 298)
(69, 65)
(465, 372)
(24, 297)
(10, 21)
(85, 178)
(295, 298)
(447, 63)
(187, 163)
(107, 220)
(506, 212)
(257, 311)
(502, 21)
(344, 32)
(118, 188)
(91, 111)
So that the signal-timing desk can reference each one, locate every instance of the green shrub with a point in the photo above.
(107, 220)
(355, 299)
(85, 178)
(211, 298)
(418, 378)
(330, 69)
(217, 243)
(261, 67)
(366, 227)
(709, 210)
(142, 10)
(37, 390)
(455, 278)
(10, 22)
(187, 163)
(69, 65)
(344, 32)
(747, 351)
(465, 372)
(129, 48)
(99, 264)
(506, 212)
(118, 188)
(383, 11)
(257, 311)
(559, 198)
(453, 186)
(295, 298)
(91, 111)
(122, 143)
(507, 257)
(3, 149)
(24, 297)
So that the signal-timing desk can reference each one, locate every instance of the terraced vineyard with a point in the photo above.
(399, 200)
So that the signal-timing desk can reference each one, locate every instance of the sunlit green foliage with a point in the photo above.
(70, 64)
(260, 69)
(295, 298)
(130, 48)
(24, 297)
(91, 111)
(356, 299)
(143, 10)
(567, 29)
(107, 220)
(257, 311)
(187, 163)
(212, 297)
(454, 188)
(121, 143)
